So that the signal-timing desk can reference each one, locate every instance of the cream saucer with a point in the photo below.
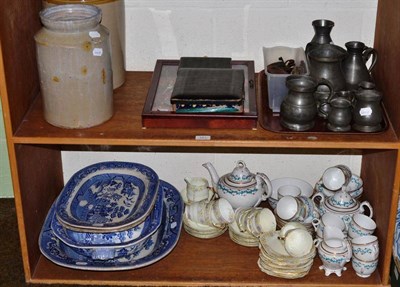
(201, 230)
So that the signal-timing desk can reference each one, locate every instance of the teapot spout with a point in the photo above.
(213, 174)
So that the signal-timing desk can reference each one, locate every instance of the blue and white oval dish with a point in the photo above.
(156, 247)
(107, 197)
(112, 239)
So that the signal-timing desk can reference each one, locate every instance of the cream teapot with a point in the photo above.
(240, 187)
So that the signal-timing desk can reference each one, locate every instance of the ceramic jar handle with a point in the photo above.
(268, 189)
(368, 205)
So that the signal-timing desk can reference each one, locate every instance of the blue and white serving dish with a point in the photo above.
(61, 254)
(117, 239)
(107, 197)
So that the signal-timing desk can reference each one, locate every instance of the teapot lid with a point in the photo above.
(342, 200)
(240, 174)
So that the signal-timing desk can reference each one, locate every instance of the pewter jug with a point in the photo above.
(322, 29)
(367, 113)
(354, 66)
(325, 61)
(298, 109)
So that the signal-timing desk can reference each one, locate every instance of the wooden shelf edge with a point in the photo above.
(125, 128)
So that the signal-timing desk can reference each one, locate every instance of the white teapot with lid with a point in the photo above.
(240, 187)
(343, 205)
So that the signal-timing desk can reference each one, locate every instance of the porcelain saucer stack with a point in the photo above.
(112, 216)
(287, 257)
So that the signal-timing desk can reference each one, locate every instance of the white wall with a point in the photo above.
(169, 29)
(160, 29)
(174, 167)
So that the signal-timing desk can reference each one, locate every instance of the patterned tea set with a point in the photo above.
(112, 216)
(300, 222)
(119, 215)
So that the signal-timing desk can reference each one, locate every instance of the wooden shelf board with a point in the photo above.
(218, 262)
(125, 128)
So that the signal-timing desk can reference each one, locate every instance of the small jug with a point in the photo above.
(354, 66)
(367, 112)
(334, 254)
(299, 109)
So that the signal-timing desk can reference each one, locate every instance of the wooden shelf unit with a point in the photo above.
(36, 166)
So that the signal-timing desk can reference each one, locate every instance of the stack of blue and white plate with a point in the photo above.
(112, 216)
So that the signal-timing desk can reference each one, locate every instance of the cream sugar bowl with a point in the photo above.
(343, 205)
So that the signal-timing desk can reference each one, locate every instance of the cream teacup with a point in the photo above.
(365, 248)
(199, 212)
(260, 221)
(289, 208)
(361, 225)
(336, 177)
(328, 219)
(364, 269)
(222, 211)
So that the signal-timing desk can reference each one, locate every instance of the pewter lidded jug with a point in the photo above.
(354, 66)
(367, 112)
(325, 62)
(322, 29)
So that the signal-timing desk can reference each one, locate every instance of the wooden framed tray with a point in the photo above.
(158, 111)
(271, 121)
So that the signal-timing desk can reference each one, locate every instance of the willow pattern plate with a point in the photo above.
(107, 197)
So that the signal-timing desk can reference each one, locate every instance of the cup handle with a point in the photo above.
(317, 242)
(315, 223)
(349, 250)
(367, 53)
(368, 205)
(326, 82)
(315, 196)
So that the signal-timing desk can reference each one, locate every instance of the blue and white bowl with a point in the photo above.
(107, 197)
(115, 239)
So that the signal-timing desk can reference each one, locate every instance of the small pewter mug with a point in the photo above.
(340, 115)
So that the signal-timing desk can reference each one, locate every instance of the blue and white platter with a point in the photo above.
(107, 197)
(60, 253)
(118, 239)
